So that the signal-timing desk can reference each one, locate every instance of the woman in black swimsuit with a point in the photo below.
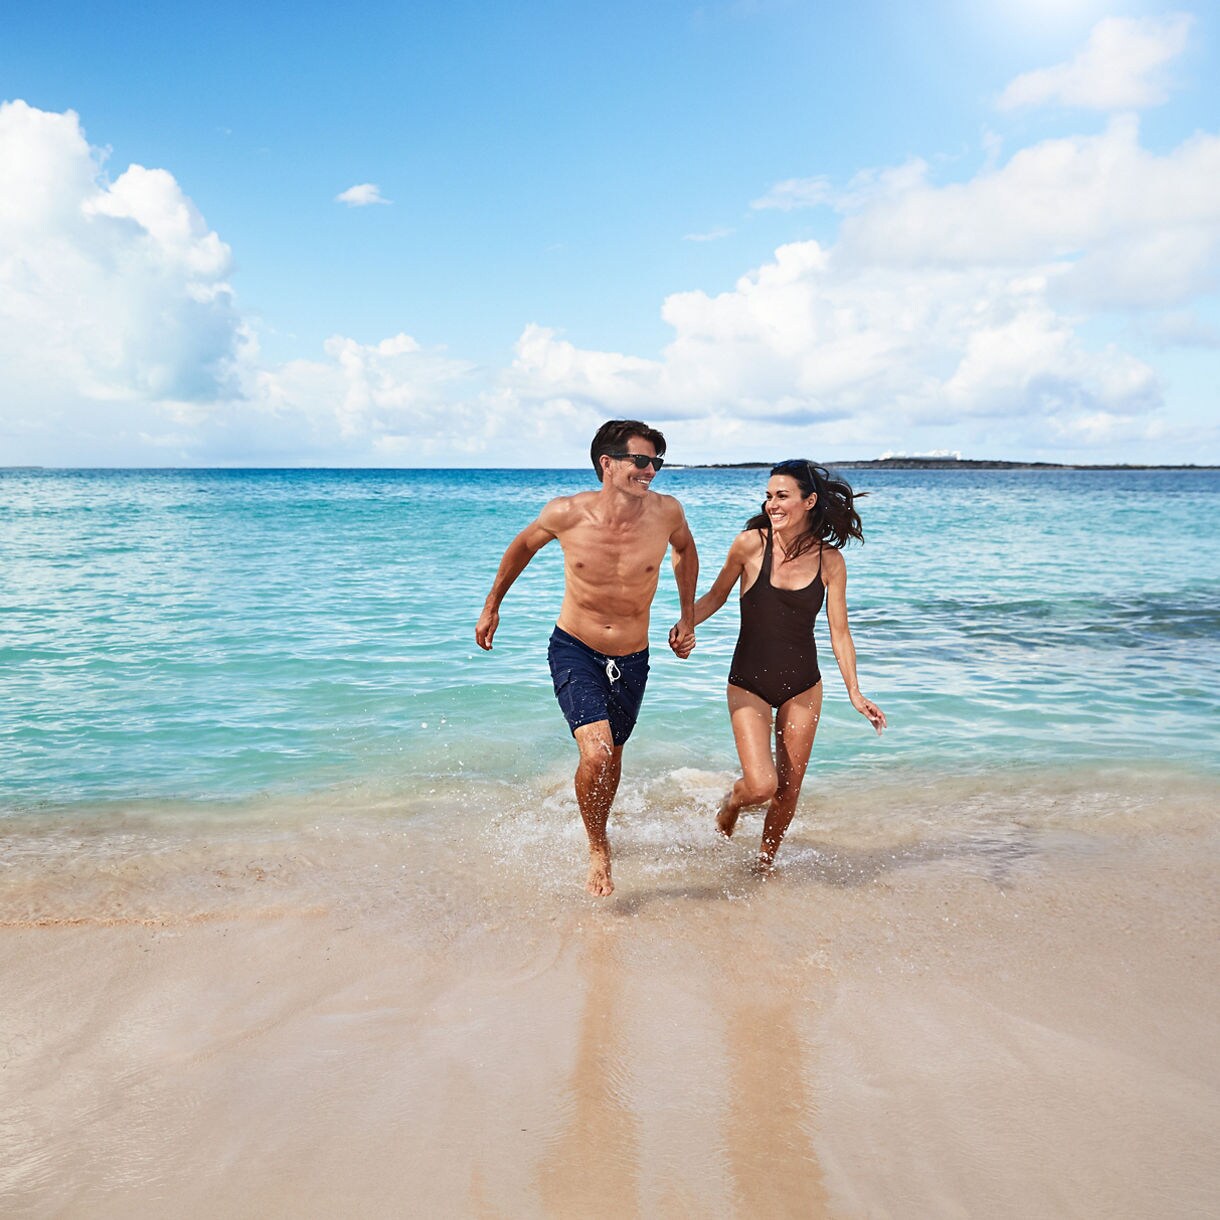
(788, 560)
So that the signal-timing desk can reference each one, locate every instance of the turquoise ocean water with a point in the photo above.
(222, 636)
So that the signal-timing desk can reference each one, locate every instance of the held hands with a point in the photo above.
(485, 628)
(867, 708)
(682, 638)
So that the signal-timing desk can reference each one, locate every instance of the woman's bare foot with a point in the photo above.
(726, 820)
(598, 882)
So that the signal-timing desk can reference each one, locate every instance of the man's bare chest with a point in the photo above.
(614, 552)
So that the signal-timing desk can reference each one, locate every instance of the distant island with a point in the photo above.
(951, 463)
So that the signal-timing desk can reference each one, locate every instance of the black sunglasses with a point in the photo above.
(796, 464)
(641, 460)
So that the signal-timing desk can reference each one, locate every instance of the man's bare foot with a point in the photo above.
(598, 882)
(763, 866)
(726, 822)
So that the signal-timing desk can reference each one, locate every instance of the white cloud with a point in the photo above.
(795, 193)
(864, 187)
(965, 307)
(962, 316)
(121, 341)
(383, 394)
(361, 195)
(805, 346)
(1120, 67)
(1123, 226)
(389, 403)
(109, 290)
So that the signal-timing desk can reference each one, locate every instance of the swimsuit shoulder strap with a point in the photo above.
(765, 570)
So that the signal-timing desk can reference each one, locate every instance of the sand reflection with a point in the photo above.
(594, 1164)
(770, 1116)
(688, 1088)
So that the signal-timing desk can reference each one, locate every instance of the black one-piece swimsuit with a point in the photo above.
(776, 656)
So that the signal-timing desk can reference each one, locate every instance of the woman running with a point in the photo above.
(788, 560)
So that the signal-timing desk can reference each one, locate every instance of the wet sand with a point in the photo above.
(281, 1023)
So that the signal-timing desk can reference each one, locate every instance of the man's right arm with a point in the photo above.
(686, 572)
(520, 551)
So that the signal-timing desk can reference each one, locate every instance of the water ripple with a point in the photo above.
(220, 633)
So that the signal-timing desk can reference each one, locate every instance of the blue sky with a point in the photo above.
(771, 228)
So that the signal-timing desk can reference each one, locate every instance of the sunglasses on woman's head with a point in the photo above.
(795, 465)
(641, 460)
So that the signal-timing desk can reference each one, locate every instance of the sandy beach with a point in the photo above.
(380, 1020)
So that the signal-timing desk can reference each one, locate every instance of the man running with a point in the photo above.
(613, 541)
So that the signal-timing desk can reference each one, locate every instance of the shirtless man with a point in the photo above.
(613, 542)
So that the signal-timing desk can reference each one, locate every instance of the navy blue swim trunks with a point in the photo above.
(592, 686)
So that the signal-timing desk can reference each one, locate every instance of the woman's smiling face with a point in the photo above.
(785, 505)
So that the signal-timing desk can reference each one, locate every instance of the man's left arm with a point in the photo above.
(686, 573)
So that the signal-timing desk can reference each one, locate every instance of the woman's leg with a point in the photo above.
(751, 717)
(795, 725)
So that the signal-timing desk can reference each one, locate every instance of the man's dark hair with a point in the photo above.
(613, 435)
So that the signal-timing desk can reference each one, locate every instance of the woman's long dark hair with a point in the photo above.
(833, 517)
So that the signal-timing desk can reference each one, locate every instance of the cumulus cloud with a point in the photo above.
(1120, 68)
(121, 340)
(962, 307)
(961, 316)
(361, 195)
(1126, 227)
(820, 348)
(111, 290)
(385, 398)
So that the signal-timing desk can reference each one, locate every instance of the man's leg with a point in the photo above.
(597, 776)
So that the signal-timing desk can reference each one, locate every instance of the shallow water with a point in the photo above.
(167, 864)
(208, 635)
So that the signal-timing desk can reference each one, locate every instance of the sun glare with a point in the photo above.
(1058, 13)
